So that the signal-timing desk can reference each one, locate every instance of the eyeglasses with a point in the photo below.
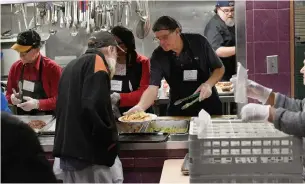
(227, 11)
(163, 37)
(120, 48)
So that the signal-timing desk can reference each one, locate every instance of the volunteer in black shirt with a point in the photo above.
(220, 31)
(189, 65)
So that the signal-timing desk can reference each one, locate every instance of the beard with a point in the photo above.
(230, 22)
(111, 64)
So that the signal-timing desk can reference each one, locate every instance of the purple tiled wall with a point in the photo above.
(268, 31)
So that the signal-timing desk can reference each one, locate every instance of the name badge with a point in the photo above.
(190, 75)
(28, 86)
(116, 85)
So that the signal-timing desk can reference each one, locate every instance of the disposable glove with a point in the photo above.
(14, 99)
(115, 98)
(134, 109)
(29, 105)
(255, 112)
(255, 91)
(205, 91)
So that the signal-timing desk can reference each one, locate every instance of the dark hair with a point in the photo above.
(166, 23)
(127, 37)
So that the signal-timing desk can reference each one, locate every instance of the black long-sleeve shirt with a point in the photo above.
(22, 157)
(85, 126)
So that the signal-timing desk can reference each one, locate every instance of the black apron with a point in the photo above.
(38, 93)
(229, 62)
(130, 82)
(125, 79)
(181, 89)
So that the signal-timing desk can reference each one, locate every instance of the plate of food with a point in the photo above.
(37, 123)
(138, 117)
(224, 88)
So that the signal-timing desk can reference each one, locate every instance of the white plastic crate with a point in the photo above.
(243, 149)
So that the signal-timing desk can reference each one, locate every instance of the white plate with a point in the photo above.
(152, 117)
(221, 93)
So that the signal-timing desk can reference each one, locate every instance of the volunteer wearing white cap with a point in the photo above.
(287, 114)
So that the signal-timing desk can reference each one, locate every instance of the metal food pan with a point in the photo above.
(26, 119)
(168, 126)
(131, 127)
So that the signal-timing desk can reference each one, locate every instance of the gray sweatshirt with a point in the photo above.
(289, 115)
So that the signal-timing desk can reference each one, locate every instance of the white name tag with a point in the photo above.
(116, 85)
(190, 75)
(28, 86)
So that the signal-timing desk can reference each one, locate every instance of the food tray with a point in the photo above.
(49, 130)
(122, 128)
(179, 126)
(131, 127)
(26, 119)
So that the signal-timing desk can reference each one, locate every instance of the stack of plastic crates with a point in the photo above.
(244, 153)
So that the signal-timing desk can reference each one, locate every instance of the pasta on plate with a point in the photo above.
(136, 117)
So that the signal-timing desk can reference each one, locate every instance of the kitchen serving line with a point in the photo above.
(147, 150)
(173, 141)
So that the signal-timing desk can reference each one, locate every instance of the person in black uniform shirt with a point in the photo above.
(22, 157)
(189, 65)
(86, 136)
(220, 31)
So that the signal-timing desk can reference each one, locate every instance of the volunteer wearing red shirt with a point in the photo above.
(132, 75)
(34, 77)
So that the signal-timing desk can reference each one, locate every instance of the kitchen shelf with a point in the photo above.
(26, 1)
(44, 37)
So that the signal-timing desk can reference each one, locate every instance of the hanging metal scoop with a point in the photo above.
(143, 26)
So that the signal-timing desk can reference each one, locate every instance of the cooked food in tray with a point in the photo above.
(172, 130)
(137, 117)
(37, 124)
(224, 86)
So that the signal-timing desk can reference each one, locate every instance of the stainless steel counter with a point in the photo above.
(179, 141)
(174, 142)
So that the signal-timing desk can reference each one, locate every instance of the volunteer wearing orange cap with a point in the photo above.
(34, 77)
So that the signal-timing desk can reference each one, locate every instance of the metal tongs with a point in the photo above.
(196, 95)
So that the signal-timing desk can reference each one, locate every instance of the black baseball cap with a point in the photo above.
(27, 40)
(102, 39)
